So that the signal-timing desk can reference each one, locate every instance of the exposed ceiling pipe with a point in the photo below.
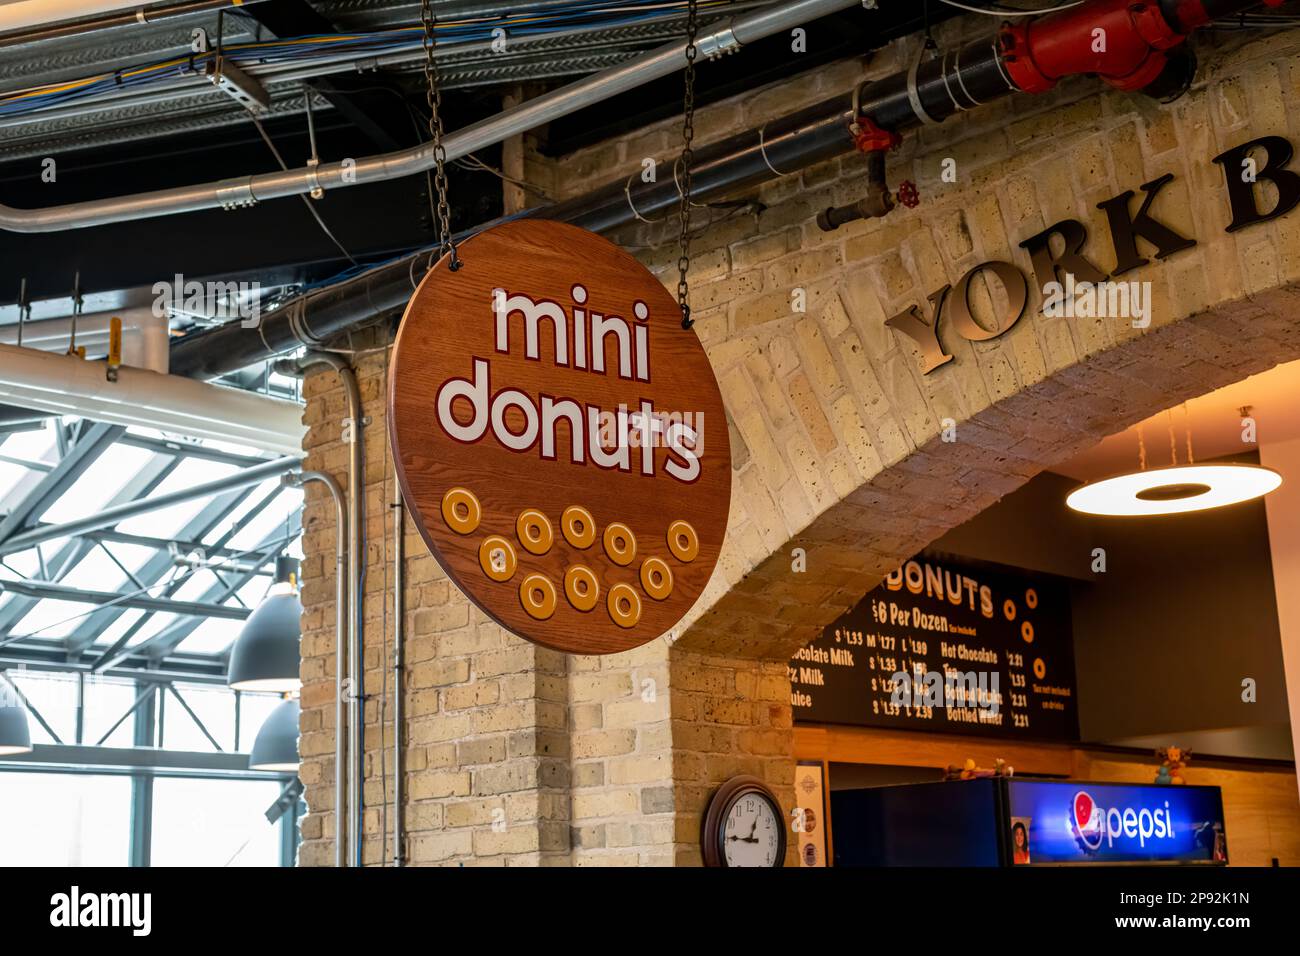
(931, 91)
(146, 341)
(68, 385)
(18, 14)
(246, 190)
(107, 517)
(141, 14)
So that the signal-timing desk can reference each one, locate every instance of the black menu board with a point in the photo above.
(947, 647)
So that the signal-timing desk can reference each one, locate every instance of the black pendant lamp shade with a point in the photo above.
(276, 746)
(266, 656)
(15, 737)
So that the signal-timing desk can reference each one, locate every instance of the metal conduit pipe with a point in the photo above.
(145, 337)
(141, 14)
(242, 191)
(17, 14)
(107, 517)
(929, 92)
(399, 665)
(355, 694)
(342, 567)
(68, 385)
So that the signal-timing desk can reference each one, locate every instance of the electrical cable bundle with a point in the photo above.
(304, 50)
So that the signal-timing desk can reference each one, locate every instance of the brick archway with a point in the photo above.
(775, 608)
(835, 429)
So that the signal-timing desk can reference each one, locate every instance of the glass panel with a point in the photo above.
(107, 699)
(253, 711)
(197, 585)
(272, 523)
(10, 475)
(211, 637)
(59, 819)
(51, 618)
(55, 697)
(214, 823)
(34, 445)
(215, 706)
(98, 484)
(96, 572)
(119, 626)
(167, 522)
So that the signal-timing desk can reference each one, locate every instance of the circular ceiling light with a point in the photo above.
(1178, 489)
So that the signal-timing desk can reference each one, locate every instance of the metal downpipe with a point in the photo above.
(341, 617)
(354, 690)
(399, 665)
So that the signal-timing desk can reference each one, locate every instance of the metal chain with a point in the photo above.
(684, 181)
(433, 97)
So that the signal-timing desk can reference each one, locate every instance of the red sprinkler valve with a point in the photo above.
(908, 194)
(870, 138)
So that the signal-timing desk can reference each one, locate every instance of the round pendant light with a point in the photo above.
(1177, 489)
(15, 736)
(276, 746)
(265, 656)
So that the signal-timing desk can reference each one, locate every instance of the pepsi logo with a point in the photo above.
(1092, 823)
(1088, 822)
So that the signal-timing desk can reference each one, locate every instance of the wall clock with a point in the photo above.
(744, 825)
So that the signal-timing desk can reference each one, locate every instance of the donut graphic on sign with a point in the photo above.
(559, 438)
(1087, 820)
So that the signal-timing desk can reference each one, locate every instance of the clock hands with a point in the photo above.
(751, 838)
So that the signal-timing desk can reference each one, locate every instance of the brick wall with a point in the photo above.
(836, 446)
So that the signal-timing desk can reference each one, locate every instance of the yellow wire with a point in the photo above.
(295, 41)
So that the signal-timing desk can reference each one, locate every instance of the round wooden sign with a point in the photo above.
(559, 438)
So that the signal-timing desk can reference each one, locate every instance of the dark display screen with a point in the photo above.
(950, 648)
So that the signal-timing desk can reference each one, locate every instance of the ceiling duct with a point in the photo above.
(930, 92)
(242, 191)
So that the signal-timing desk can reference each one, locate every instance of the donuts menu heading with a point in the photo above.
(948, 648)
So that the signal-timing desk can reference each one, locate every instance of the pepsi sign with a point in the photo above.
(1063, 822)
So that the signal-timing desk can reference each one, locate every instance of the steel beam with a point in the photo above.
(86, 759)
(93, 442)
(108, 517)
(145, 481)
(61, 592)
(211, 515)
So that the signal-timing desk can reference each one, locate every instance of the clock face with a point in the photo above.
(751, 832)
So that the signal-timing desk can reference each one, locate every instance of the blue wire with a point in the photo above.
(280, 51)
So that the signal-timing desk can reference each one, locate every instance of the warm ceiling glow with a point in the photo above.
(279, 767)
(275, 685)
(1174, 490)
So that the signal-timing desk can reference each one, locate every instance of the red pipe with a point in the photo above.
(1122, 41)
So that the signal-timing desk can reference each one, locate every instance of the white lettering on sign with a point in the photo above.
(468, 408)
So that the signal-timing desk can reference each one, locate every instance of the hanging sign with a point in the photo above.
(559, 438)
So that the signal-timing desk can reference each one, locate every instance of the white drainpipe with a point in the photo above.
(67, 385)
(145, 337)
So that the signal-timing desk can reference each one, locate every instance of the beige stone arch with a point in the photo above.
(835, 430)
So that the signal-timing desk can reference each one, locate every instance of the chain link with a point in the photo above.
(684, 181)
(433, 97)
